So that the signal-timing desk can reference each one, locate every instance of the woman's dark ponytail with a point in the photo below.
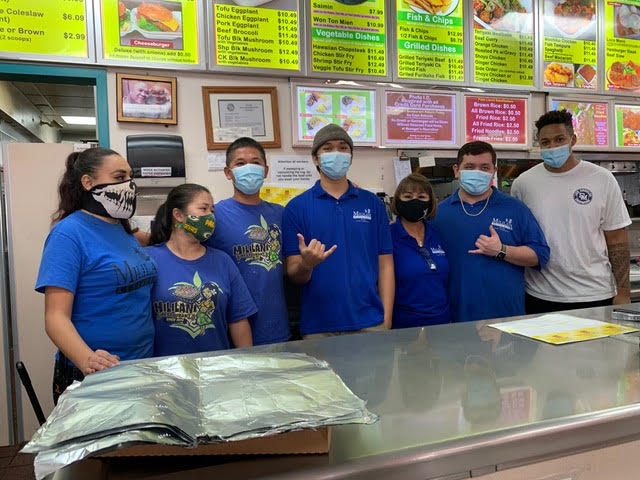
(70, 188)
(179, 198)
(162, 224)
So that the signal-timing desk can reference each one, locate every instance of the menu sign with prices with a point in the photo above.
(250, 34)
(503, 50)
(430, 39)
(627, 125)
(622, 45)
(496, 120)
(159, 31)
(420, 118)
(44, 27)
(570, 47)
(354, 110)
(590, 121)
(348, 37)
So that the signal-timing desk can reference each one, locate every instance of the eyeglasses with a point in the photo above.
(424, 251)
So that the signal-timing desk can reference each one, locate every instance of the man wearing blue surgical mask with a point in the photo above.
(489, 238)
(581, 210)
(249, 229)
(337, 245)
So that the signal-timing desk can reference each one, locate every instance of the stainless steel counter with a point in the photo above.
(452, 399)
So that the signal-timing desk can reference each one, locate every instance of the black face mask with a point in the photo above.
(413, 210)
(114, 200)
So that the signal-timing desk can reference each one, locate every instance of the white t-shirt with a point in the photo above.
(573, 209)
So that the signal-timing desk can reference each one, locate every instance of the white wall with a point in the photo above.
(372, 168)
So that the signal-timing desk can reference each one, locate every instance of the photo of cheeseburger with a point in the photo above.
(152, 24)
(156, 18)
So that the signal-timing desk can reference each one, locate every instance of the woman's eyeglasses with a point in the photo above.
(424, 251)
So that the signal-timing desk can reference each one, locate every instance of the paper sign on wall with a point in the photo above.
(292, 170)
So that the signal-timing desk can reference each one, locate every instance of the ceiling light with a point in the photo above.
(72, 120)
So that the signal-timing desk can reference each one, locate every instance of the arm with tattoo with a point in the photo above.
(618, 248)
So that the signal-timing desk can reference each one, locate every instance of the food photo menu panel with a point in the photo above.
(570, 44)
(590, 121)
(622, 46)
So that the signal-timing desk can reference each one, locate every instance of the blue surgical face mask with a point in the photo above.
(475, 182)
(556, 157)
(335, 164)
(249, 178)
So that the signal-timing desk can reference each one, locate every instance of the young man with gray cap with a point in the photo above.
(337, 244)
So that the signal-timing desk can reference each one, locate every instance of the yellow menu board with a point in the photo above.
(158, 31)
(263, 37)
(44, 27)
(570, 48)
(622, 45)
(348, 36)
(430, 39)
(503, 42)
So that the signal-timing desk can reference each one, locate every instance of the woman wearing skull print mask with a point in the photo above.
(200, 301)
(95, 276)
(420, 263)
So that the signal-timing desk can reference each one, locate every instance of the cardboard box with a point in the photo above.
(298, 442)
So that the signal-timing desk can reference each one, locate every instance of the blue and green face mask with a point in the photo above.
(199, 227)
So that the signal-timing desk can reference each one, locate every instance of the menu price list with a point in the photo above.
(348, 39)
(496, 120)
(430, 46)
(44, 27)
(414, 117)
(256, 37)
(503, 58)
(622, 45)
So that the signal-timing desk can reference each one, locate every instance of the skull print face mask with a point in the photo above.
(114, 200)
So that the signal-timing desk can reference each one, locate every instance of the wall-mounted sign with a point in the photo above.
(503, 42)
(348, 37)
(162, 32)
(420, 118)
(352, 109)
(570, 48)
(627, 125)
(430, 39)
(622, 45)
(264, 36)
(43, 27)
(496, 120)
(590, 121)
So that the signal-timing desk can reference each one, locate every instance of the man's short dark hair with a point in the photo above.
(476, 148)
(243, 142)
(554, 117)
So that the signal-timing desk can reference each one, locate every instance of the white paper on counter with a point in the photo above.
(216, 161)
(401, 168)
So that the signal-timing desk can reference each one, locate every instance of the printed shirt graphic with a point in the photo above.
(111, 278)
(251, 236)
(195, 300)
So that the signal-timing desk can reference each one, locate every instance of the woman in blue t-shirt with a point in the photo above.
(420, 263)
(95, 277)
(200, 301)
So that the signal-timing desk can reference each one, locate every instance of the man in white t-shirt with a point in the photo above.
(580, 208)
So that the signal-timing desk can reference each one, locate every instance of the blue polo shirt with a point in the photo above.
(342, 294)
(421, 292)
(481, 287)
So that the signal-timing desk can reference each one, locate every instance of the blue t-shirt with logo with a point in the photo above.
(194, 301)
(481, 287)
(342, 294)
(421, 291)
(110, 277)
(251, 236)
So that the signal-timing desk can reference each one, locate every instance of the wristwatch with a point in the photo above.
(502, 253)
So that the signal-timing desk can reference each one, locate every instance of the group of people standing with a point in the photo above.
(213, 277)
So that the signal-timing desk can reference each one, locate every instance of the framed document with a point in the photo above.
(234, 112)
